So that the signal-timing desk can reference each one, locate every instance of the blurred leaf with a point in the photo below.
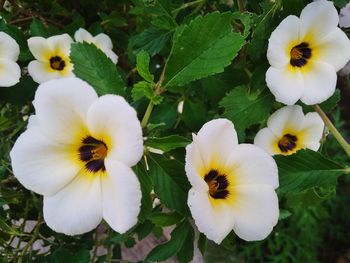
(284, 214)
(93, 66)
(202, 243)
(246, 20)
(170, 182)
(245, 109)
(142, 66)
(306, 169)
(165, 219)
(37, 28)
(194, 114)
(204, 47)
(168, 143)
(185, 254)
(64, 255)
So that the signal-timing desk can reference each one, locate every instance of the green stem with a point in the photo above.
(343, 143)
(147, 114)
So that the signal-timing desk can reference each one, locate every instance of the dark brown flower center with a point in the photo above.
(287, 143)
(57, 63)
(92, 153)
(217, 184)
(300, 54)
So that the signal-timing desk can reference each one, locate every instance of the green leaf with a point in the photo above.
(284, 214)
(168, 143)
(64, 255)
(93, 66)
(245, 109)
(202, 243)
(142, 66)
(204, 47)
(328, 105)
(194, 114)
(170, 182)
(185, 254)
(145, 89)
(37, 28)
(173, 246)
(165, 219)
(306, 169)
(245, 19)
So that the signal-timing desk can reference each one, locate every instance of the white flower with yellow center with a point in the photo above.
(289, 130)
(52, 56)
(305, 53)
(101, 41)
(233, 185)
(77, 152)
(10, 72)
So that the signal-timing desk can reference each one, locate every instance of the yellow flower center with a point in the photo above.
(217, 184)
(57, 63)
(93, 152)
(300, 54)
(287, 143)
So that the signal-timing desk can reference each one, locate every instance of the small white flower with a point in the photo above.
(52, 56)
(344, 16)
(10, 72)
(305, 53)
(233, 185)
(78, 156)
(102, 41)
(289, 130)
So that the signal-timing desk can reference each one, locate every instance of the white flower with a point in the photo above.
(10, 72)
(77, 151)
(305, 53)
(344, 16)
(289, 130)
(102, 41)
(52, 56)
(233, 185)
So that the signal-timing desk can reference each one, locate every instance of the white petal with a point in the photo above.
(215, 222)
(312, 130)
(60, 44)
(82, 35)
(195, 168)
(266, 140)
(287, 86)
(121, 196)
(252, 165)
(40, 72)
(8, 47)
(318, 19)
(320, 82)
(61, 108)
(110, 54)
(103, 41)
(328, 50)
(40, 164)
(286, 120)
(32, 121)
(256, 211)
(215, 140)
(40, 48)
(77, 208)
(10, 73)
(113, 120)
(281, 39)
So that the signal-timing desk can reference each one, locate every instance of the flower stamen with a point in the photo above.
(287, 143)
(93, 153)
(217, 184)
(300, 54)
(57, 63)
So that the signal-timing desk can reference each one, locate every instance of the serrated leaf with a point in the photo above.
(170, 182)
(142, 66)
(168, 143)
(306, 169)
(170, 248)
(245, 109)
(145, 89)
(165, 219)
(37, 28)
(204, 47)
(93, 66)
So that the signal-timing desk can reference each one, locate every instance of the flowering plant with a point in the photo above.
(151, 130)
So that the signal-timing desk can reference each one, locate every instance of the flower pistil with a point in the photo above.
(300, 54)
(287, 143)
(92, 153)
(217, 184)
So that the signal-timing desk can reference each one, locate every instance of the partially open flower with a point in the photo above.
(10, 72)
(233, 185)
(289, 130)
(305, 53)
(102, 41)
(52, 56)
(77, 151)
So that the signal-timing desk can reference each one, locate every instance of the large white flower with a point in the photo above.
(305, 53)
(233, 185)
(10, 72)
(289, 130)
(52, 56)
(102, 41)
(77, 151)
